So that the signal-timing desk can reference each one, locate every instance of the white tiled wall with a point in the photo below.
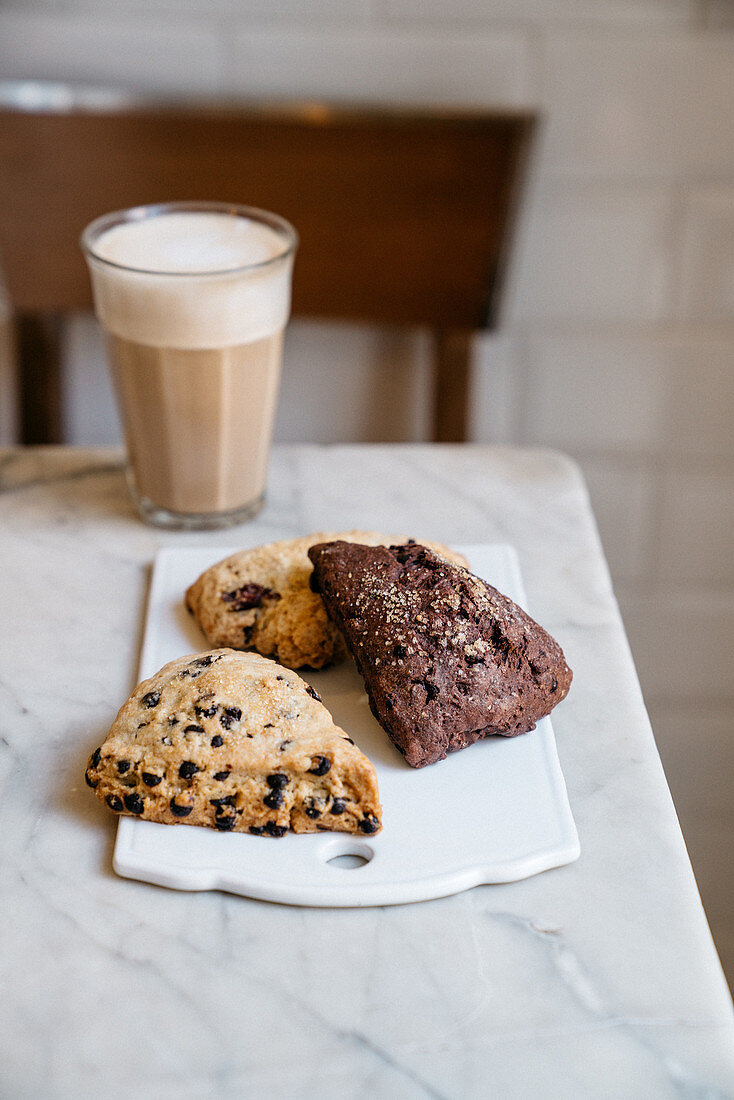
(617, 340)
(412, 64)
(150, 54)
(706, 279)
(598, 251)
(638, 106)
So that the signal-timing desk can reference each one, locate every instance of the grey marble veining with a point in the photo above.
(595, 980)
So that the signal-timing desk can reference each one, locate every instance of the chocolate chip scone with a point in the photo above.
(236, 742)
(261, 599)
(446, 658)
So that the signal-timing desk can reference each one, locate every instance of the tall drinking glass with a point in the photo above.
(193, 299)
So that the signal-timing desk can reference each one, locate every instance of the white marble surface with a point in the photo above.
(598, 979)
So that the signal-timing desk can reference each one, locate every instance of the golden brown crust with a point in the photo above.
(235, 742)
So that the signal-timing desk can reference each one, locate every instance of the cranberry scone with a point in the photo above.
(261, 599)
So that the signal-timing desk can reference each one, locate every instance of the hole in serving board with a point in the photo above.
(349, 857)
(349, 862)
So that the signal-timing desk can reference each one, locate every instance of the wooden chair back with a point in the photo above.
(404, 217)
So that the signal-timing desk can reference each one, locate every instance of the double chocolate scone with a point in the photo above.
(446, 658)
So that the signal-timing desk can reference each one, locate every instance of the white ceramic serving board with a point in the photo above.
(494, 812)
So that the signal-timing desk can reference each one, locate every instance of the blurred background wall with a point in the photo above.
(617, 341)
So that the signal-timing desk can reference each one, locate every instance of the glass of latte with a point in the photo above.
(193, 299)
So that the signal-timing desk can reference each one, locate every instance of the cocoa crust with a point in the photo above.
(446, 658)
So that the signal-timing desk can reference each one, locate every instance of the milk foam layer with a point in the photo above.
(186, 295)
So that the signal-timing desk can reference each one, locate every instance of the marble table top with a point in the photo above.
(598, 979)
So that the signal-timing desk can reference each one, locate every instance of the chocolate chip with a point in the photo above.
(313, 693)
(179, 811)
(193, 729)
(114, 803)
(225, 822)
(310, 809)
(248, 596)
(277, 781)
(134, 803)
(220, 776)
(206, 712)
(283, 746)
(338, 806)
(196, 667)
(369, 824)
(431, 690)
(230, 716)
(275, 830)
(172, 720)
(321, 765)
(95, 758)
(123, 766)
(151, 780)
(217, 741)
(89, 781)
(188, 769)
(228, 800)
(274, 800)
(151, 699)
(141, 725)
(348, 739)
(256, 830)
